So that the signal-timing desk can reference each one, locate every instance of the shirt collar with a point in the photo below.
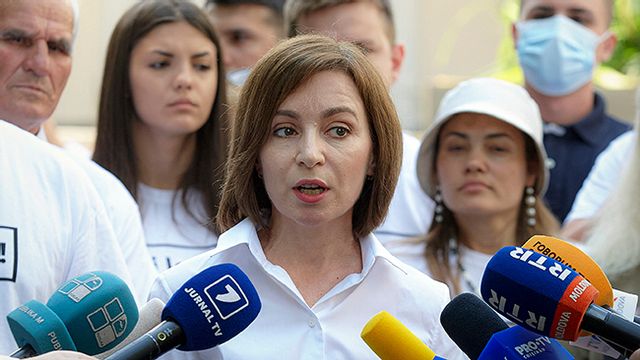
(245, 233)
(591, 127)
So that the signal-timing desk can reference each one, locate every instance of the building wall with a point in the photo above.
(446, 41)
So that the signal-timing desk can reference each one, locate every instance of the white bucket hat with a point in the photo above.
(502, 100)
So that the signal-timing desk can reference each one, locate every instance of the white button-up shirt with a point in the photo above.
(287, 328)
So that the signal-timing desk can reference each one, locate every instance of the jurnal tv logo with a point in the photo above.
(81, 286)
(108, 323)
(226, 296)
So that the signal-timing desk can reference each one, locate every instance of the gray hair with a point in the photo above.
(75, 8)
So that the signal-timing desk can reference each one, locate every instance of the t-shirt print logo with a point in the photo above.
(8, 253)
(226, 296)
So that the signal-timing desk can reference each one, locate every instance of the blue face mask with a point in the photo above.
(557, 54)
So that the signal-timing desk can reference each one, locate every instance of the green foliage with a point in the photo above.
(626, 25)
(621, 71)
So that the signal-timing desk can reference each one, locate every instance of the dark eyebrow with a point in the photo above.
(325, 114)
(170, 55)
(13, 33)
(337, 110)
(163, 53)
(200, 54)
(499, 136)
(489, 136)
(287, 113)
(61, 43)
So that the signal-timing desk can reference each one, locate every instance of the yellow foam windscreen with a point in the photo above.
(570, 255)
(391, 340)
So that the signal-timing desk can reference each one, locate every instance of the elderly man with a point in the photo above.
(53, 225)
(36, 39)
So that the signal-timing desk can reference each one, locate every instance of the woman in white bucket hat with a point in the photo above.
(482, 161)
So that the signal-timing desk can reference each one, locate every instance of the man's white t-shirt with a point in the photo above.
(603, 177)
(124, 216)
(53, 225)
(411, 210)
(172, 235)
(287, 328)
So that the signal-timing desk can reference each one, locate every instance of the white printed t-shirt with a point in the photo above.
(53, 225)
(124, 216)
(411, 210)
(172, 236)
(287, 328)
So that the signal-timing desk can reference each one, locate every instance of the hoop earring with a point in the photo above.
(530, 206)
(439, 209)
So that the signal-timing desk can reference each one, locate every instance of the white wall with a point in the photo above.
(446, 41)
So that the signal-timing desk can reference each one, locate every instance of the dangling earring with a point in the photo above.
(530, 203)
(439, 209)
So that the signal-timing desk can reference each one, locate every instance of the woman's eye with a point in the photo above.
(284, 132)
(159, 64)
(202, 67)
(339, 131)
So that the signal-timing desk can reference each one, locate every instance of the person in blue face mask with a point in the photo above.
(559, 44)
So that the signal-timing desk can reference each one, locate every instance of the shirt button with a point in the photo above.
(550, 163)
(312, 323)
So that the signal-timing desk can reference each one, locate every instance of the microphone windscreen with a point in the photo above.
(390, 339)
(34, 324)
(573, 257)
(97, 309)
(150, 317)
(213, 306)
(470, 323)
(536, 292)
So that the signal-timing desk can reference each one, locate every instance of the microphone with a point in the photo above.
(576, 259)
(483, 335)
(150, 317)
(90, 313)
(391, 340)
(573, 257)
(209, 309)
(549, 298)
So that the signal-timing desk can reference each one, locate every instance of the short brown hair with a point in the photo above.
(278, 74)
(609, 5)
(295, 9)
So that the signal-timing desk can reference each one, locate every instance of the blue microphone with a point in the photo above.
(483, 335)
(90, 313)
(209, 309)
(551, 299)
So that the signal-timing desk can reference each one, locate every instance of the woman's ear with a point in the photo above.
(259, 169)
(532, 173)
(371, 167)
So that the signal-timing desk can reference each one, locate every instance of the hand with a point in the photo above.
(635, 355)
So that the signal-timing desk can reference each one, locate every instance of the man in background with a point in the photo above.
(247, 30)
(36, 41)
(559, 44)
